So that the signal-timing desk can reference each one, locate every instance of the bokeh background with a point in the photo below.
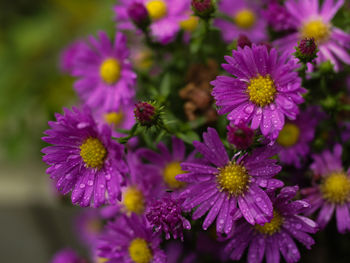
(34, 223)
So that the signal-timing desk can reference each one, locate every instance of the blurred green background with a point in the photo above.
(32, 35)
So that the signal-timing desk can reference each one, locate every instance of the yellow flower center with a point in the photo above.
(114, 118)
(157, 9)
(190, 24)
(289, 135)
(271, 227)
(336, 188)
(133, 200)
(93, 152)
(110, 70)
(102, 260)
(139, 251)
(244, 19)
(261, 90)
(169, 173)
(234, 179)
(316, 29)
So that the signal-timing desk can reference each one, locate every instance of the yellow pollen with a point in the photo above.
(114, 118)
(271, 227)
(244, 19)
(190, 24)
(261, 90)
(157, 9)
(133, 200)
(316, 29)
(169, 173)
(110, 70)
(139, 251)
(93, 152)
(336, 188)
(234, 179)
(289, 135)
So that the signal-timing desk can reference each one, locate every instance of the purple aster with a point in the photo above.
(84, 159)
(106, 79)
(229, 188)
(88, 225)
(165, 215)
(130, 239)
(265, 89)
(276, 236)
(296, 136)
(165, 15)
(311, 20)
(278, 17)
(68, 56)
(123, 118)
(67, 255)
(244, 17)
(333, 192)
(166, 164)
(142, 187)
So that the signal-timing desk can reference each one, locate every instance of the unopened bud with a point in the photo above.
(139, 15)
(147, 114)
(203, 8)
(306, 51)
(241, 136)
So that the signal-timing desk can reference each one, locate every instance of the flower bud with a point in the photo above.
(241, 136)
(243, 41)
(306, 51)
(147, 114)
(139, 15)
(203, 8)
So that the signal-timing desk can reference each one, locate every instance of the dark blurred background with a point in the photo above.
(33, 222)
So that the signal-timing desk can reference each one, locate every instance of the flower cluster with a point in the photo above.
(132, 150)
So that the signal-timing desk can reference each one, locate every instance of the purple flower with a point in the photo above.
(176, 253)
(130, 239)
(165, 215)
(265, 90)
(142, 186)
(311, 20)
(88, 225)
(333, 192)
(296, 137)
(277, 235)
(241, 136)
(123, 118)
(166, 164)
(219, 187)
(67, 255)
(68, 56)
(278, 17)
(243, 18)
(165, 16)
(84, 159)
(106, 79)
